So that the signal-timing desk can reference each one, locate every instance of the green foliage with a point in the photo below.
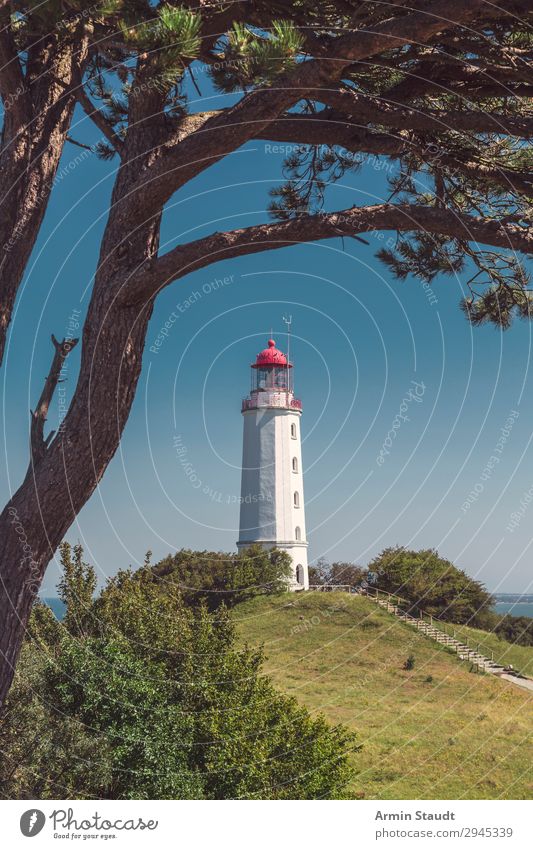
(498, 286)
(515, 629)
(104, 151)
(175, 31)
(432, 584)
(309, 171)
(410, 662)
(154, 699)
(503, 301)
(337, 574)
(128, 701)
(43, 627)
(46, 755)
(498, 290)
(253, 58)
(218, 578)
(148, 50)
(76, 588)
(423, 255)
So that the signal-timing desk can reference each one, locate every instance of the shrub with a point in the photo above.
(155, 699)
(516, 629)
(216, 578)
(432, 584)
(337, 574)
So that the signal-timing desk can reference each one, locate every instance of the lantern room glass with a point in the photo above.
(271, 379)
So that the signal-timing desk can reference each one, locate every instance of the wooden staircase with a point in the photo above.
(463, 651)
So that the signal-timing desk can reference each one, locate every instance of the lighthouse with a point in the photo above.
(272, 494)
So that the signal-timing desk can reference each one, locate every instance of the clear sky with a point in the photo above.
(365, 347)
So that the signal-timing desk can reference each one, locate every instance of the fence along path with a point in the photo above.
(425, 625)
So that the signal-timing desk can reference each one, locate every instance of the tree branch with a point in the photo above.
(99, 119)
(185, 158)
(156, 274)
(437, 75)
(38, 444)
(371, 110)
(323, 129)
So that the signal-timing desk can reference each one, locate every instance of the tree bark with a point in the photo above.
(29, 160)
(155, 274)
(68, 470)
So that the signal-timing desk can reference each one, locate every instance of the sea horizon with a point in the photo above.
(515, 608)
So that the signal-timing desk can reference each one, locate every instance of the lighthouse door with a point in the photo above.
(300, 574)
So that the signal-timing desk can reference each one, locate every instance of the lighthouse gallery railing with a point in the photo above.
(272, 401)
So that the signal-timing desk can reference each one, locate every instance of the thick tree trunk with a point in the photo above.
(28, 167)
(59, 484)
(34, 522)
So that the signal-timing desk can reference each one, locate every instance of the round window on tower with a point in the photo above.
(296, 499)
(295, 464)
(293, 430)
(297, 533)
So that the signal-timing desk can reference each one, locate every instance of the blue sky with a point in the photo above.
(365, 348)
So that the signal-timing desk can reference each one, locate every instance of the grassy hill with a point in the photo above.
(438, 731)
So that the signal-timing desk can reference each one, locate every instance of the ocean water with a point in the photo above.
(515, 608)
(58, 608)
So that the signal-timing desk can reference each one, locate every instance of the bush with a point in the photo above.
(216, 578)
(516, 629)
(410, 662)
(431, 584)
(154, 699)
(337, 574)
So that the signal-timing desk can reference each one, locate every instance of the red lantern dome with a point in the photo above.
(271, 384)
(271, 357)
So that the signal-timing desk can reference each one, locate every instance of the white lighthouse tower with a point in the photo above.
(272, 495)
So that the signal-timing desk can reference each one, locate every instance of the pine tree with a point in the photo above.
(438, 92)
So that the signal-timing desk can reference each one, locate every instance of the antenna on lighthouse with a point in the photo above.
(288, 322)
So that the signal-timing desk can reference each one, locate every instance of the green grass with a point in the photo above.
(439, 731)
